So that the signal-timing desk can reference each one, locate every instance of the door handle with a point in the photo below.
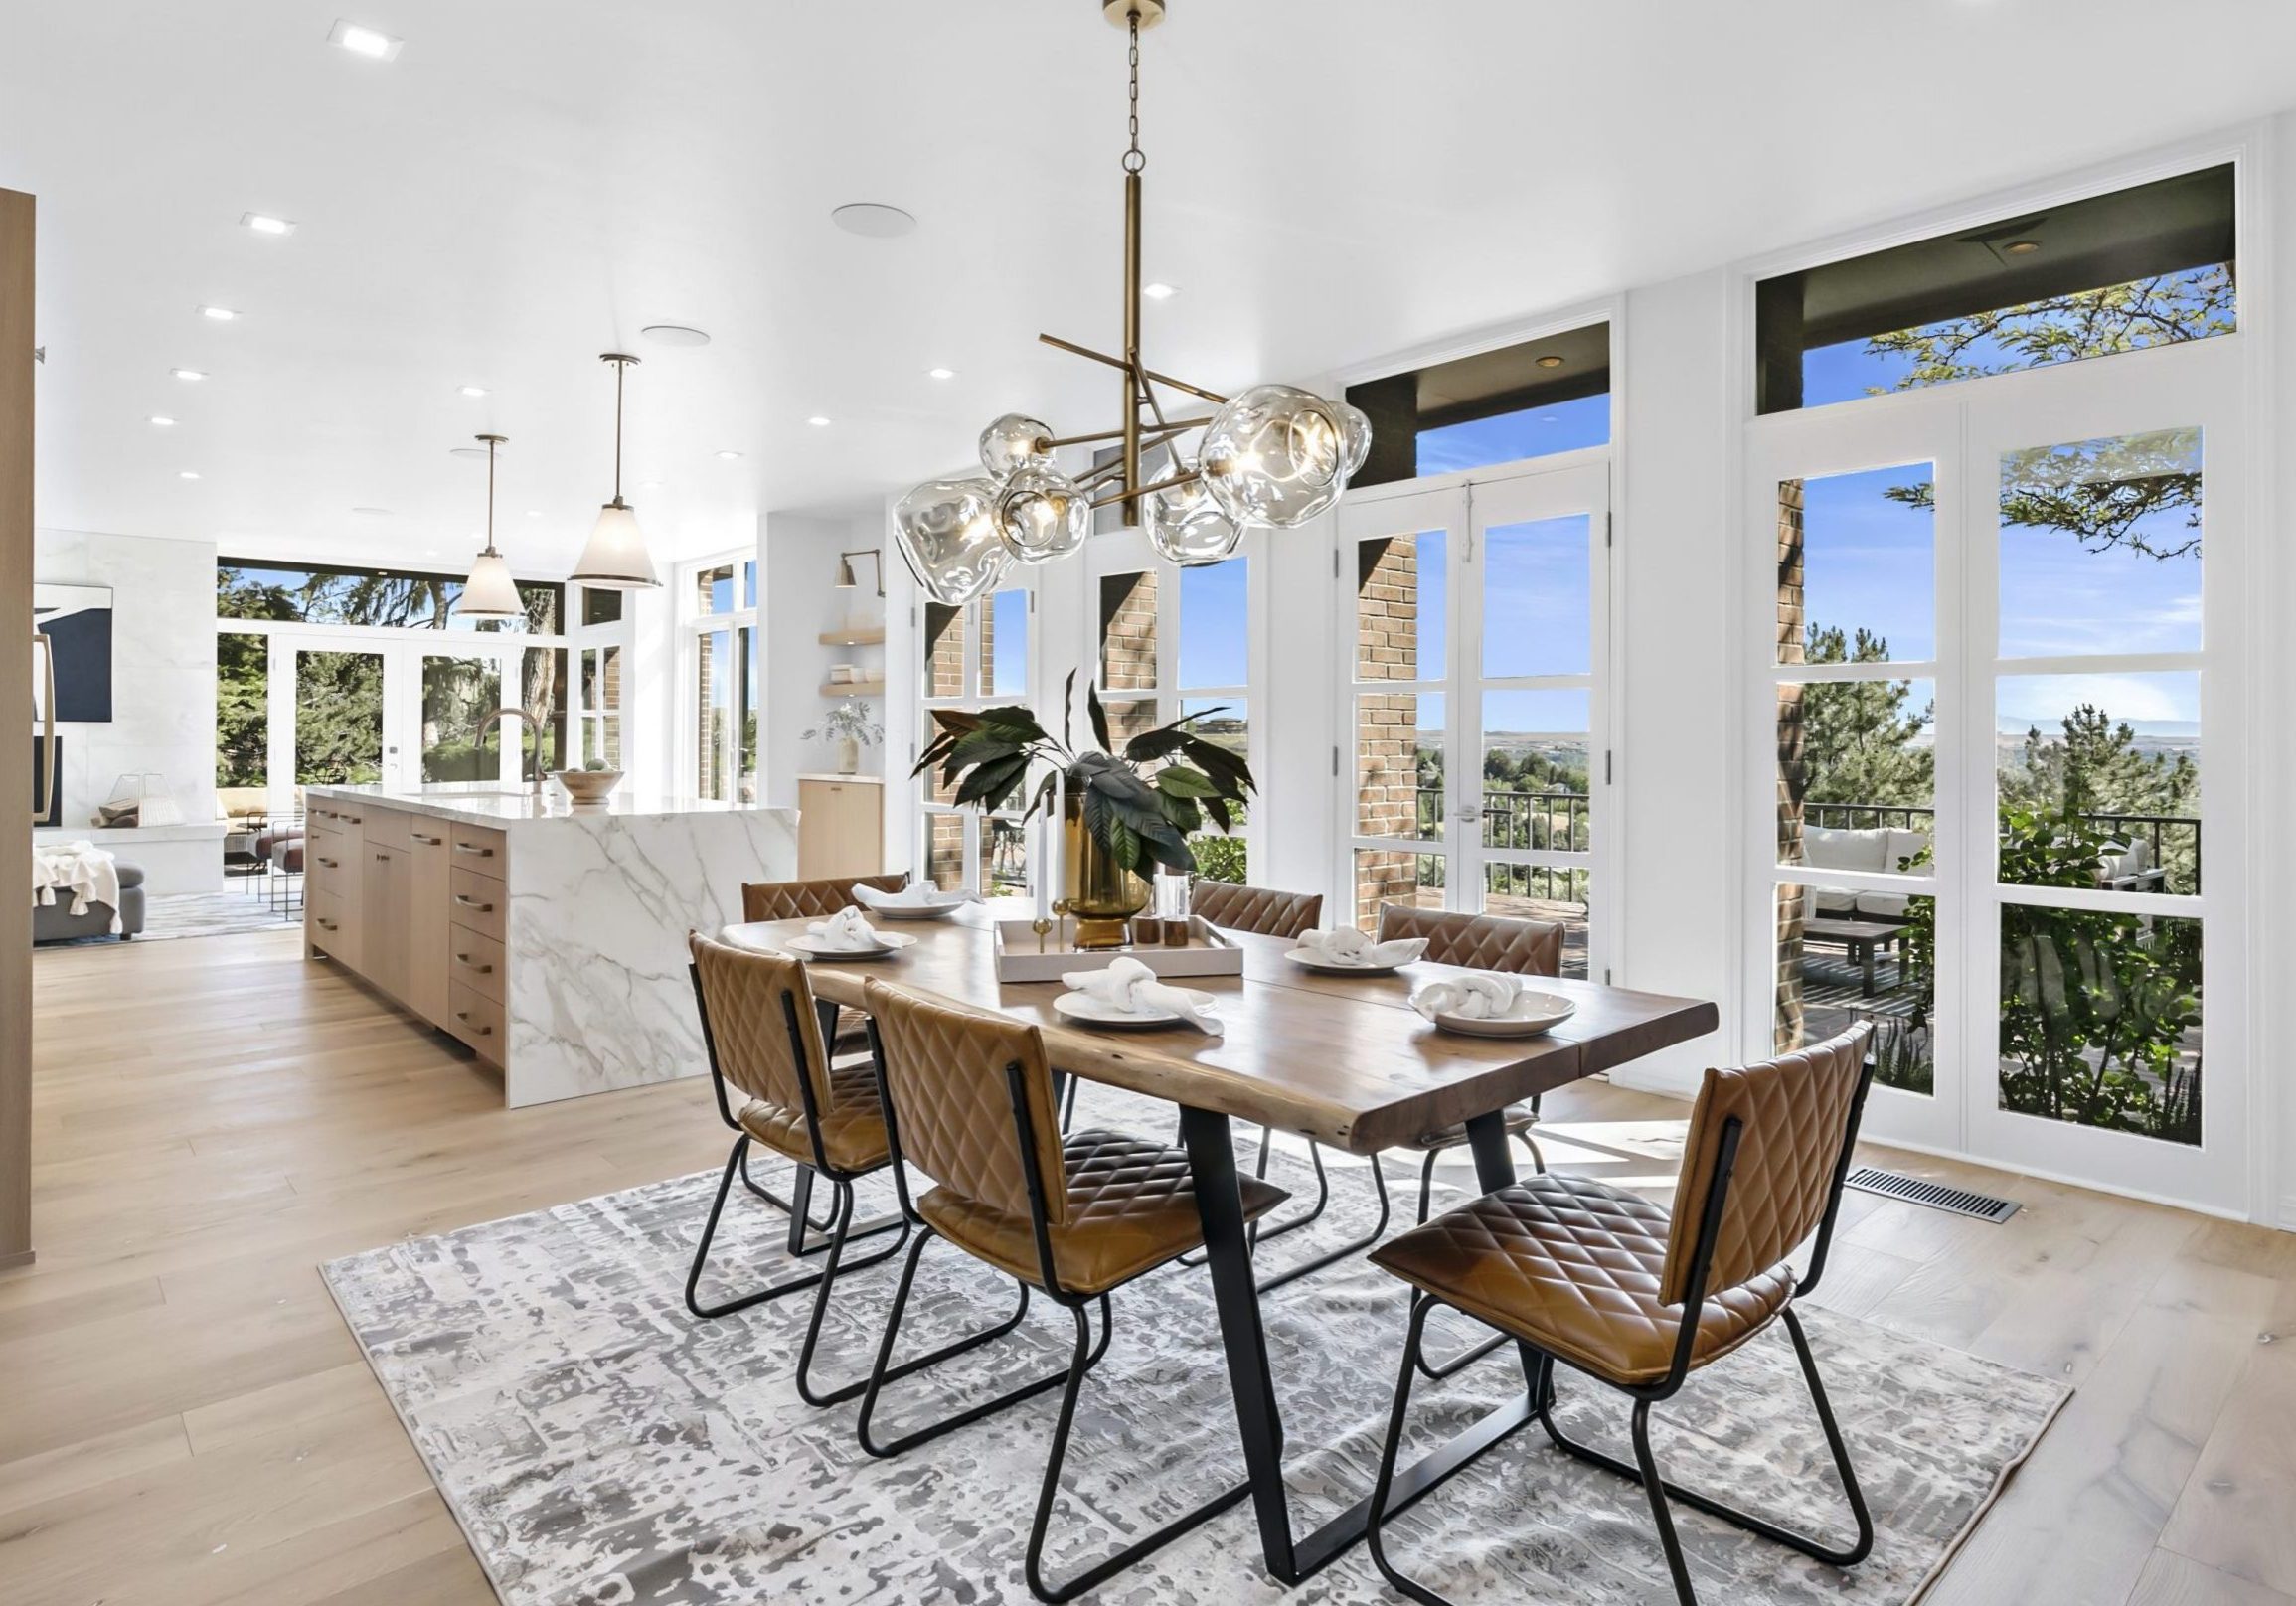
(382, 858)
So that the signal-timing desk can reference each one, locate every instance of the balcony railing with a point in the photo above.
(2175, 839)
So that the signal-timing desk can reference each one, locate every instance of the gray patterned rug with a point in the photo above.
(600, 1446)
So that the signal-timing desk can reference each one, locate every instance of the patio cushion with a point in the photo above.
(1900, 845)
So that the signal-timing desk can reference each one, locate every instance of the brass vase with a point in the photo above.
(1102, 894)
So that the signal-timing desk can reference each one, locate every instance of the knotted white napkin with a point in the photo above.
(846, 929)
(916, 896)
(1126, 984)
(1344, 945)
(1479, 996)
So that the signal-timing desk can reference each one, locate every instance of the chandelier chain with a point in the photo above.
(1134, 158)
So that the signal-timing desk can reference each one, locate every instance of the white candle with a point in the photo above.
(1044, 876)
(1055, 834)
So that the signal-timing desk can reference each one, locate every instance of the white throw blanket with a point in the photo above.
(847, 930)
(916, 896)
(1479, 996)
(1344, 945)
(88, 872)
(1128, 984)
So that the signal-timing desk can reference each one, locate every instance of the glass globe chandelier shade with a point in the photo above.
(615, 557)
(1040, 514)
(946, 530)
(1012, 443)
(1276, 455)
(1185, 525)
(490, 592)
(1355, 429)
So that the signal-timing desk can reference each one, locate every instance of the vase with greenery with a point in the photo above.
(1125, 812)
(849, 723)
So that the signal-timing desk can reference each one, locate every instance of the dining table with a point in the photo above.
(1344, 1060)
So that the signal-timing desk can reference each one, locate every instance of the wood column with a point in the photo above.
(16, 343)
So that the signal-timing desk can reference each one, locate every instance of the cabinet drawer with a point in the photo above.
(474, 961)
(386, 828)
(476, 1019)
(328, 858)
(352, 817)
(477, 848)
(475, 903)
(322, 917)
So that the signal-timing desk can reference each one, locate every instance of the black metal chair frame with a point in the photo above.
(1644, 1467)
(1084, 1357)
(1466, 1358)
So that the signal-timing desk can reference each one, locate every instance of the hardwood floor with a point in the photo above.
(184, 1417)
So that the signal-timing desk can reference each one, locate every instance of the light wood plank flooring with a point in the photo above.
(184, 1419)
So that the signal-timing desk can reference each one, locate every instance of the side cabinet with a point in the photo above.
(428, 922)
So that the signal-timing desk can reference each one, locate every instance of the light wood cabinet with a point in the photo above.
(385, 914)
(428, 924)
(840, 826)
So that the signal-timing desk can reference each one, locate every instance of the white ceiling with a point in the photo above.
(531, 180)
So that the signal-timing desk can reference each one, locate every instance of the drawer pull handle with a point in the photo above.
(464, 1017)
(382, 858)
(326, 925)
(473, 903)
(428, 842)
(331, 864)
(470, 848)
(464, 961)
(353, 819)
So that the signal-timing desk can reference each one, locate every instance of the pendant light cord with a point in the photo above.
(1134, 158)
(620, 367)
(490, 445)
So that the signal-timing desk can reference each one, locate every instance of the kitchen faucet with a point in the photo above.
(527, 720)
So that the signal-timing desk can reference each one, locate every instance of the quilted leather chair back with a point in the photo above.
(1256, 909)
(952, 1106)
(810, 900)
(1795, 1111)
(743, 990)
(1478, 941)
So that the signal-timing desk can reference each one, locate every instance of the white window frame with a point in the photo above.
(923, 809)
(691, 625)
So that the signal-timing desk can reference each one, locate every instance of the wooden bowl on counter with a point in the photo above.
(589, 785)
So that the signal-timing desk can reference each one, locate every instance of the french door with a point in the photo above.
(1475, 767)
(1997, 770)
(352, 710)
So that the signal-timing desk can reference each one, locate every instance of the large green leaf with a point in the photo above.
(1099, 717)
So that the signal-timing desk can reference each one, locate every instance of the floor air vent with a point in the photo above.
(1913, 1189)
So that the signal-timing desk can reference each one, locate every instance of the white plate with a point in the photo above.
(1086, 1010)
(936, 912)
(1533, 1012)
(814, 948)
(1309, 959)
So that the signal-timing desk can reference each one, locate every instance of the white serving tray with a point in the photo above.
(1207, 954)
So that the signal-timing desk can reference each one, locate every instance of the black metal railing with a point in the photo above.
(2173, 839)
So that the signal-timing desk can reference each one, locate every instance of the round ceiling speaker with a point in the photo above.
(675, 334)
(873, 220)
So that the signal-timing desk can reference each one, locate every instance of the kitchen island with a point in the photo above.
(548, 937)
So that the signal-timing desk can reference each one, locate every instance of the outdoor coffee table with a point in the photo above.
(1861, 938)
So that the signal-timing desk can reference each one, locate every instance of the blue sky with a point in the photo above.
(1533, 432)
(1009, 645)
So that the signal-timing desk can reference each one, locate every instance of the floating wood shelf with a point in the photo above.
(853, 638)
(852, 688)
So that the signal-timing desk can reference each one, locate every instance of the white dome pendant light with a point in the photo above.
(490, 592)
(615, 560)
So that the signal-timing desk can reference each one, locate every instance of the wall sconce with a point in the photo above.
(845, 580)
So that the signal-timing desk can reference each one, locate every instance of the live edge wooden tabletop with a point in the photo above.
(1343, 1060)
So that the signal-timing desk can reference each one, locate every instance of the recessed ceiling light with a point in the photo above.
(430, 551)
(534, 513)
(1550, 360)
(220, 314)
(940, 373)
(372, 43)
(2022, 248)
(187, 373)
(164, 423)
(818, 421)
(675, 334)
(262, 223)
(473, 389)
(186, 474)
(371, 513)
(728, 456)
(1159, 291)
(872, 220)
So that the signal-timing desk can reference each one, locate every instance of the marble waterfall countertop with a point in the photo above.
(599, 899)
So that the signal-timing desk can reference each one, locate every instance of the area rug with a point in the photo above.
(600, 1446)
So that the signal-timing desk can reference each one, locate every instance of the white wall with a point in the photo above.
(163, 665)
(798, 600)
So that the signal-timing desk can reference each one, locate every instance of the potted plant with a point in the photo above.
(1121, 813)
(850, 723)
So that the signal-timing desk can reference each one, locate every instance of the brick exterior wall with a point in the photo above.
(1386, 726)
(1128, 632)
(945, 631)
(1789, 1016)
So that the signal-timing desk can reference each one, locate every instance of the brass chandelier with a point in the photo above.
(1273, 456)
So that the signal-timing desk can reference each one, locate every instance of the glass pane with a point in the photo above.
(945, 850)
(945, 650)
(457, 696)
(1550, 893)
(2100, 1019)
(1857, 784)
(1835, 971)
(1213, 629)
(1127, 719)
(714, 589)
(1385, 876)
(1401, 789)
(1399, 617)
(1128, 632)
(714, 702)
(1221, 857)
(1538, 605)
(602, 739)
(1856, 581)
(749, 582)
(601, 606)
(1537, 758)
(338, 717)
(541, 686)
(1005, 645)
(602, 678)
(242, 712)
(1005, 858)
(746, 773)
(1557, 426)
(2100, 547)
(2100, 781)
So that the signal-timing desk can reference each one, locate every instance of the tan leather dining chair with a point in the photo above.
(1637, 1297)
(969, 1101)
(817, 900)
(1259, 910)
